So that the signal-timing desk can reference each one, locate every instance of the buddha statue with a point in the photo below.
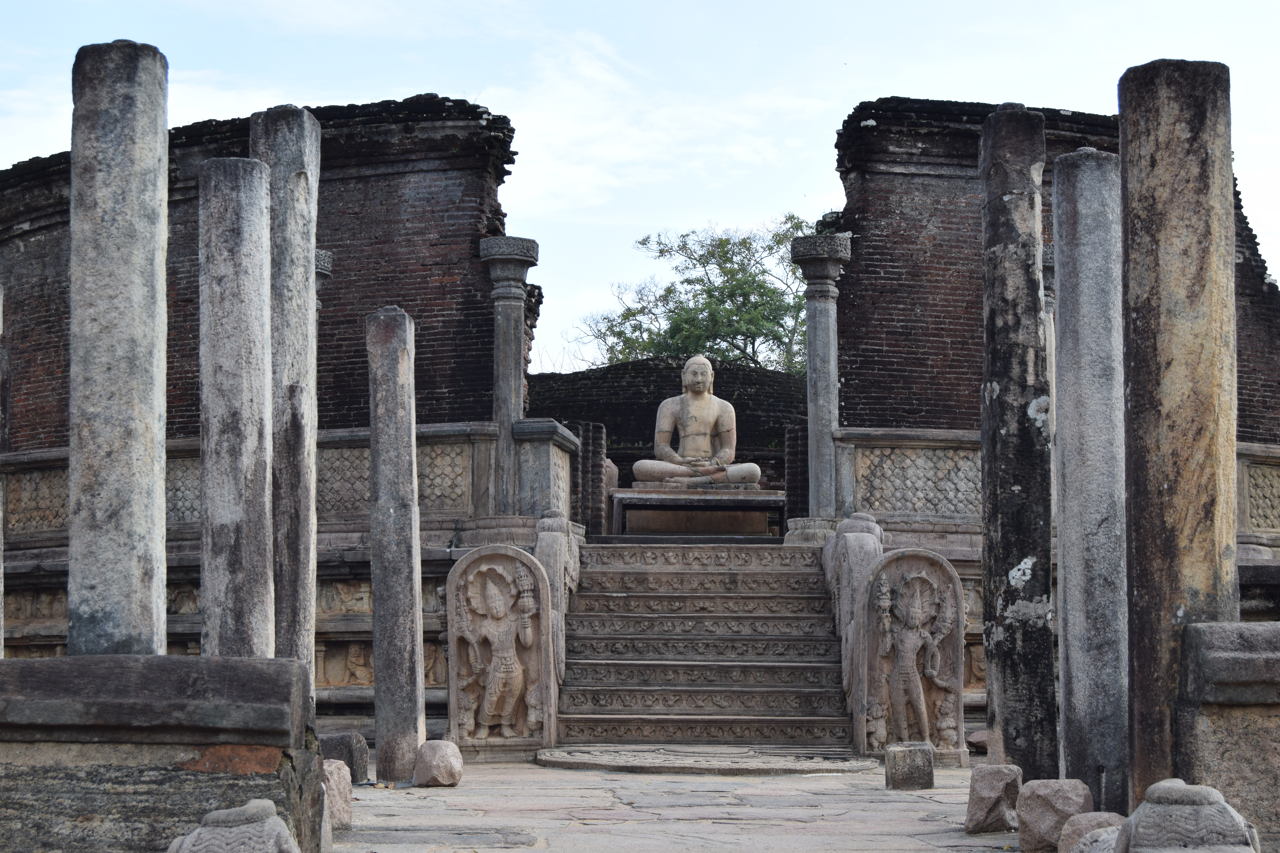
(708, 435)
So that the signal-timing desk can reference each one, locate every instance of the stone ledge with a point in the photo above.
(154, 699)
(1231, 663)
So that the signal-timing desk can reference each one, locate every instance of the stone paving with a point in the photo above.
(519, 806)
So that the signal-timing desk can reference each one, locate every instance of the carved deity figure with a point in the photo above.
(500, 674)
(914, 619)
(708, 433)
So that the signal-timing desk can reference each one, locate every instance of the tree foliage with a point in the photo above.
(736, 297)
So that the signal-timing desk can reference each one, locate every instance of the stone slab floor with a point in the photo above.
(524, 806)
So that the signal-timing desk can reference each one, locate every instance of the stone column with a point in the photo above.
(287, 139)
(119, 237)
(509, 259)
(1089, 441)
(1017, 611)
(394, 547)
(1180, 381)
(236, 586)
(821, 258)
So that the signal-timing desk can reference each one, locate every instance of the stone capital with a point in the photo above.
(509, 259)
(324, 263)
(821, 256)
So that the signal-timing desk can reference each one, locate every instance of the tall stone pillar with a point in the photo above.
(1180, 382)
(287, 139)
(509, 259)
(394, 547)
(236, 585)
(821, 258)
(119, 237)
(1093, 637)
(1016, 512)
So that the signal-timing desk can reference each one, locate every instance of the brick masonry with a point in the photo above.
(910, 309)
(407, 190)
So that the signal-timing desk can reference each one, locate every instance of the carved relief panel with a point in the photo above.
(501, 675)
(913, 645)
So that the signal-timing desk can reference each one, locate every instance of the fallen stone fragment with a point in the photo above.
(254, 826)
(908, 766)
(1080, 825)
(337, 792)
(1099, 841)
(1044, 806)
(1178, 816)
(351, 748)
(438, 765)
(993, 798)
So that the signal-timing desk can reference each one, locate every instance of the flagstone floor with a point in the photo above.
(524, 806)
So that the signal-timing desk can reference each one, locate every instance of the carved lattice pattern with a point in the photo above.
(182, 489)
(342, 480)
(444, 477)
(927, 480)
(1264, 496)
(560, 481)
(35, 500)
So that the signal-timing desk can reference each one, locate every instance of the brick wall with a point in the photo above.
(910, 309)
(407, 190)
(625, 397)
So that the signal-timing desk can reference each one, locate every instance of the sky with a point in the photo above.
(638, 118)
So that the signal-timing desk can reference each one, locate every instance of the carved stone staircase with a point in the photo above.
(702, 644)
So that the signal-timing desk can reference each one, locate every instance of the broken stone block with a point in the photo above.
(438, 765)
(351, 748)
(253, 826)
(993, 798)
(337, 792)
(908, 766)
(1080, 825)
(1044, 806)
(1099, 841)
(1175, 815)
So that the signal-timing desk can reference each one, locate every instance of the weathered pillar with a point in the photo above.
(1092, 604)
(119, 237)
(287, 139)
(1017, 612)
(820, 258)
(1180, 382)
(236, 587)
(509, 259)
(394, 548)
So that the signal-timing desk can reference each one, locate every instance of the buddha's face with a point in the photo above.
(697, 375)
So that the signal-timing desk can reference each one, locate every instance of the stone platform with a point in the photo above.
(714, 760)
(704, 511)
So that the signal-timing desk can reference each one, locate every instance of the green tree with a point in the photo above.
(737, 297)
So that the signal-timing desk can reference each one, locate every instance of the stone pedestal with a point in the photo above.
(821, 259)
(1227, 723)
(138, 748)
(1093, 638)
(1016, 506)
(237, 597)
(119, 237)
(1180, 381)
(908, 766)
(287, 139)
(509, 259)
(395, 561)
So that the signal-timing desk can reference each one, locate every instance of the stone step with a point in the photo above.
(717, 701)
(701, 557)
(665, 673)
(696, 625)
(610, 728)
(821, 649)
(668, 603)
(710, 581)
